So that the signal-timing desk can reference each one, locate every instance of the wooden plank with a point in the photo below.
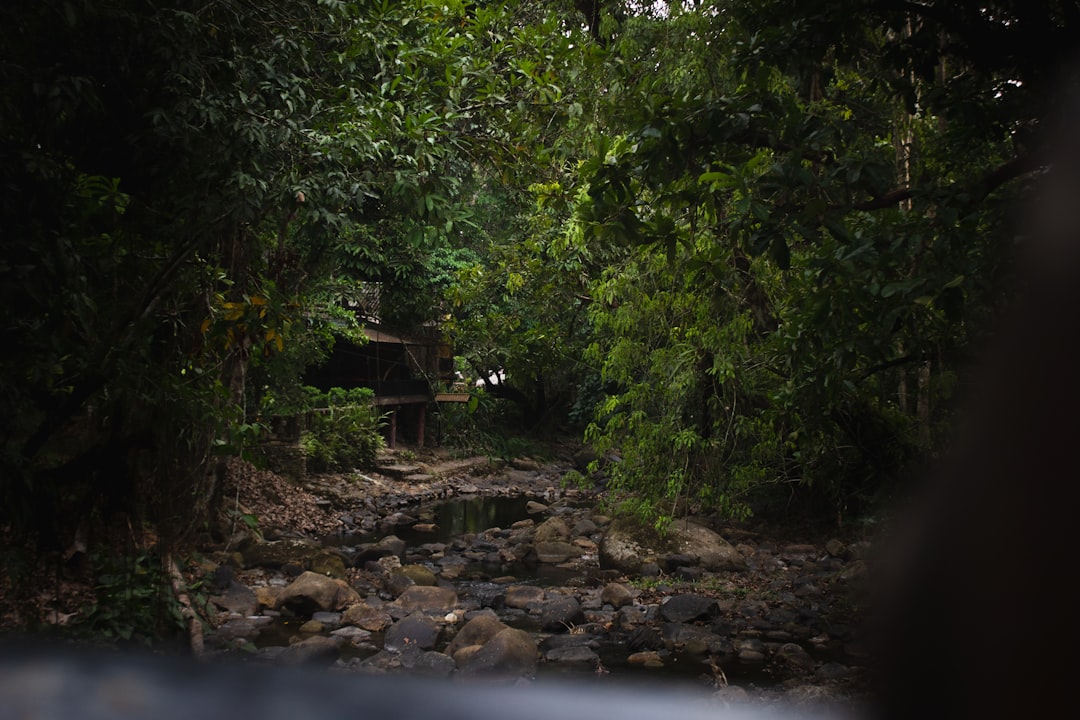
(400, 399)
(452, 397)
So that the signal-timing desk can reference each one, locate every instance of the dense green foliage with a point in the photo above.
(343, 430)
(740, 244)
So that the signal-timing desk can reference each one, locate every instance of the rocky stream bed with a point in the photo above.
(465, 569)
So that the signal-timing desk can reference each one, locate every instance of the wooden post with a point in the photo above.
(393, 429)
(420, 420)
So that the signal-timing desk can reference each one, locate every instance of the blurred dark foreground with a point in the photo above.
(58, 686)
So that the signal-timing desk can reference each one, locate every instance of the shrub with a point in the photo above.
(343, 430)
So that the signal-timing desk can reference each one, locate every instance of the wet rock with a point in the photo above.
(399, 519)
(428, 599)
(560, 614)
(617, 595)
(687, 608)
(419, 574)
(584, 526)
(552, 642)
(510, 653)
(369, 618)
(644, 638)
(451, 568)
(311, 627)
(432, 664)
(630, 616)
(389, 545)
(572, 654)
(328, 563)
(385, 565)
(330, 620)
(555, 552)
(237, 598)
(688, 573)
(837, 549)
(398, 583)
(750, 650)
(798, 551)
(415, 631)
(266, 596)
(649, 659)
(833, 671)
(236, 629)
(695, 640)
(477, 631)
(317, 650)
(312, 592)
(523, 597)
(535, 508)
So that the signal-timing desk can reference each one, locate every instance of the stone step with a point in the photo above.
(399, 471)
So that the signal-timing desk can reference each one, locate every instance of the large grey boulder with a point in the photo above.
(560, 614)
(688, 607)
(237, 598)
(627, 546)
(312, 592)
(415, 631)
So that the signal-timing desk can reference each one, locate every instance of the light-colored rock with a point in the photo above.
(427, 599)
(352, 635)
(556, 552)
(551, 530)
(267, 595)
(627, 546)
(312, 627)
(476, 632)
(648, 658)
(364, 616)
(312, 592)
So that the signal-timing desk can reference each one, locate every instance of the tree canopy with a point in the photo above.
(738, 245)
